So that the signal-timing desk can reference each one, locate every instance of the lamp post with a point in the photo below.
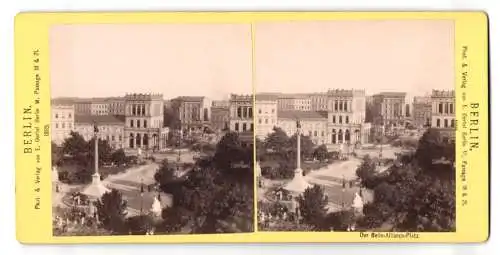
(142, 193)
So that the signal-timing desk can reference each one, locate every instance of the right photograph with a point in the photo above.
(355, 125)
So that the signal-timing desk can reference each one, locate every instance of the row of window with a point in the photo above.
(138, 110)
(244, 112)
(446, 123)
(340, 119)
(446, 108)
(138, 123)
(195, 115)
(64, 125)
(340, 105)
(267, 121)
(272, 111)
(244, 127)
(62, 115)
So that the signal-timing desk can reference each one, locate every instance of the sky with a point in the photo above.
(302, 57)
(215, 60)
(103, 60)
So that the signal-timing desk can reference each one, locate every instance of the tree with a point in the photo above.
(306, 146)
(165, 174)
(171, 118)
(104, 151)
(56, 153)
(321, 153)
(75, 145)
(366, 172)
(229, 151)
(312, 205)
(174, 219)
(260, 149)
(277, 140)
(432, 147)
(338, 221)
(118, 157)
(140, 224)
(111, 209)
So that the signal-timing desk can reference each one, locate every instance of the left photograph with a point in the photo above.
(151, 129)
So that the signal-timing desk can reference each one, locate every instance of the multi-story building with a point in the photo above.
(62, 122)
(99, 106)
(220, 117)
(82, 106)
(144, 122)
(194, 112)
(220, 103)
(116, 105)
(422, 111)
(313, 124)
(346, 117)
(266, 107)
(294, 102)
(443, 112)
(111, 128)
(319, 102)
(241, 117)
(389, 110)
(241, 113)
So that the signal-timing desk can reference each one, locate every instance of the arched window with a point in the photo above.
(347, 135)
(341, 139)
(238, 112)
(334, 136)
(138, 140)
(138, 123)
(145, 123)
(345, 106)
(438, 123)
(131, 141)
(145, 140)
(445, 123)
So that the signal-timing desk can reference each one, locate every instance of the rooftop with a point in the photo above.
(302, 115)
(100, 119)
(391, 94)
(266, 97)
(189, 98)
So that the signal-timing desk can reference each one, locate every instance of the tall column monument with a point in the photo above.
(298, 184)
(96, 189)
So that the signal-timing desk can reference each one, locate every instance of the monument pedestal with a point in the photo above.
(96, 189)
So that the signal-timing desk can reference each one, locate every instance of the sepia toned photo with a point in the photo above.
(151, 129)
(355, 126)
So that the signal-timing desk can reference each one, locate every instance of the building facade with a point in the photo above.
(111, 128)
(62, 122)
(346, 117)
(99, 106)
(319, 102)
(220, 117)
(116, 105)
(83, 107)
(266, 107)
(422, 112)
(443, 112)
(194, 112)
(313, 124)
(241, 113)
(144, 122)
(294, 102)
(389, 111)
